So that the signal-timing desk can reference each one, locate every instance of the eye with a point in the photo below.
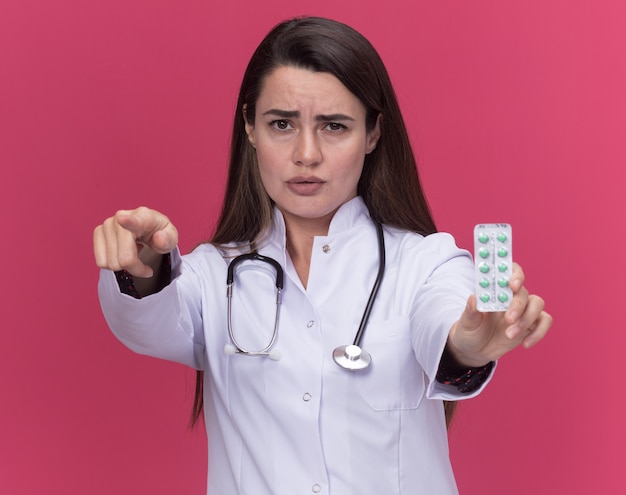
(280, 125)
(335, 127)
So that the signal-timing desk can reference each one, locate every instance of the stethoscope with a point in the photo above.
(351, 357)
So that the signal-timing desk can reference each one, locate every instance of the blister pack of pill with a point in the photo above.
(493, 260)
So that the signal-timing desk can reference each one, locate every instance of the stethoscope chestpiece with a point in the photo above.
(352, 357)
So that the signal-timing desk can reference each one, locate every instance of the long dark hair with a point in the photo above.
(389, 183)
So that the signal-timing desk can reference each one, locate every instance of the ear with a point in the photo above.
(249, 127)
(373, 136)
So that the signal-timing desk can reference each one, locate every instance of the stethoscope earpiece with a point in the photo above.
(274, 355)
(352, 357)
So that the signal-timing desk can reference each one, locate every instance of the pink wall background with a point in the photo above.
(517, 112)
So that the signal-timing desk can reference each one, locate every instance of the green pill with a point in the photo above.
(483, 238)
(502, 267)
(483, 253)
(484, 297)
(503, 282)
(483, 268)
(484, 283)
(502, 297)
(502, 237)
(503, 252)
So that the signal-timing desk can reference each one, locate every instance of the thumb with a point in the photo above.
(165, 240)
(471, 317)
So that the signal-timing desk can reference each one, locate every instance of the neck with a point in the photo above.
(300, 236)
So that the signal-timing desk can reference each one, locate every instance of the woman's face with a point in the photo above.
(311, 141)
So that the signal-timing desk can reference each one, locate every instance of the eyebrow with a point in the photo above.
(290, 114)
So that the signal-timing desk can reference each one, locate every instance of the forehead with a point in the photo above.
(292, 88)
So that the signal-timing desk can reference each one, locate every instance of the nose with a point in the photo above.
(307, 151)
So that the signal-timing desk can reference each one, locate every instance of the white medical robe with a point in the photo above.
(302, 424)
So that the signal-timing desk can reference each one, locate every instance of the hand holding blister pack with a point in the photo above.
(493, 261)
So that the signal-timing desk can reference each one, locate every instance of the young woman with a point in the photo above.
(322, 186)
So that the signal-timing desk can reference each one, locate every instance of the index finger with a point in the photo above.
(150, 228)
(517, 278)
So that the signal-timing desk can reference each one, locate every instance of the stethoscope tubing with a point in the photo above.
(379, 278)
(230, 277)
(351, 357)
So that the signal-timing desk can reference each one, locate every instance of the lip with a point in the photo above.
(305, 185)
